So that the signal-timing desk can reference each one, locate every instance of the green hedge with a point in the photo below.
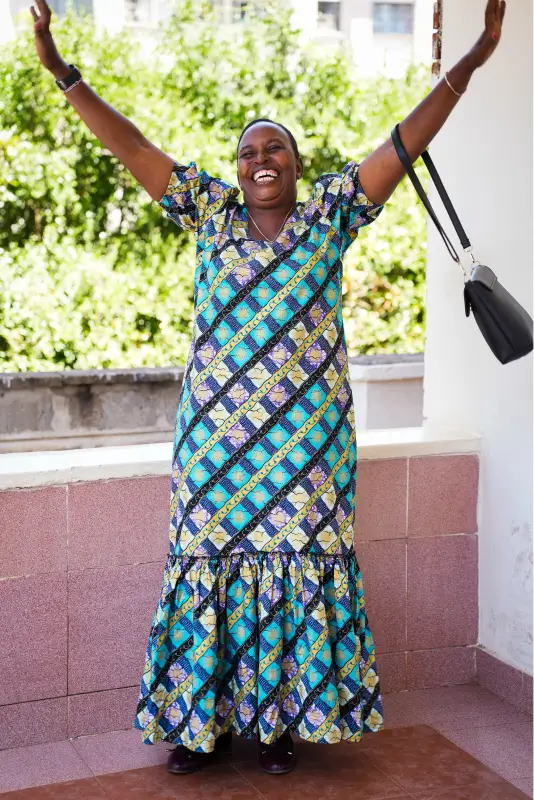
(91, 274)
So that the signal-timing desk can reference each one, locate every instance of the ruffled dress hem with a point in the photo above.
(260, 644)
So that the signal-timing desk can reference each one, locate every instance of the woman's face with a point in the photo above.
(267, 167)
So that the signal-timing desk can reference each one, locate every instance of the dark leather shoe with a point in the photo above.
(182, 761)
(279, 757)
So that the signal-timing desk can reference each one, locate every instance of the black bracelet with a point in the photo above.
(71, 80)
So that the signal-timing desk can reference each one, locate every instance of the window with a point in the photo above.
(60, 6)
(329, 15)
(393, 18)
(239, 9)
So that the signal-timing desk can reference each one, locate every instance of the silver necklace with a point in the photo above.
(262, 233)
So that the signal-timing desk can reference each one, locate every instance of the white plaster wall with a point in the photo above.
(109, 15)
(305, 16)
(6, 24)
(422, 31)
(484, 154)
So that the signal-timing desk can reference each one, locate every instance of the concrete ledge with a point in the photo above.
(22, 470)
(84, 377)
(387, 368)
(43, 411)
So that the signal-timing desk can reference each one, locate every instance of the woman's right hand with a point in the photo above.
(44, 43)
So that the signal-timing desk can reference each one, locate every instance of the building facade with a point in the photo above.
(383, 37)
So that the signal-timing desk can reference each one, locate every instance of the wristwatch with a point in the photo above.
(71, 80)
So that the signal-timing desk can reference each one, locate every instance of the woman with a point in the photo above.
(261, 628)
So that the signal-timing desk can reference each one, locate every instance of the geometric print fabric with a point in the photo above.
(261, 626)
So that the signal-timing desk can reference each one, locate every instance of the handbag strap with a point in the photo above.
(407, 164)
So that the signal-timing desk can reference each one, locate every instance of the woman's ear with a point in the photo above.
(300, 169)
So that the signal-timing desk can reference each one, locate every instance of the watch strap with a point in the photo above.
(71, 80)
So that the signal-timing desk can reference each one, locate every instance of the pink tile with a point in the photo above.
(392, 671)
(33, 531)
(381, 499)
(100, 712)
(383, 566)
(110, 614)
(118, 522)
(526, 697)
(460, 708)
(442, 592)
(502, 679)
(505, 749)
(442, 495)
(23, 767)
(33, 632)
(119, 751)
(524, 784)
(37, 722)
(449, 666)
(400, 711)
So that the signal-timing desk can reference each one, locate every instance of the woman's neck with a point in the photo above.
(268, 223)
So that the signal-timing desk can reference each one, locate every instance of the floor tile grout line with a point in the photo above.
(103, 788)
(82, 759)
(375, 766)
(246, 779)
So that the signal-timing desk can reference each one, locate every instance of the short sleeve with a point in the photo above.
(193, 196)
(342, 197)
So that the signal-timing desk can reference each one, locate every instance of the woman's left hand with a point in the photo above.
(487, 43)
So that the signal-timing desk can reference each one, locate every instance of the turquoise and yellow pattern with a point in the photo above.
(261, 626)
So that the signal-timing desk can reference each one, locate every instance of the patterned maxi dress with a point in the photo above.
(261, 626)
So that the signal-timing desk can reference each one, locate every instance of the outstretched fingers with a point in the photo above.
(491, 11)
(43, 17)
(495, 12)
(43, 6)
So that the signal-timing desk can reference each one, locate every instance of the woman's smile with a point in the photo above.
(265, 176)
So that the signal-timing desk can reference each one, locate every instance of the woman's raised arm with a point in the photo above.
(381, 171)
(148, 164)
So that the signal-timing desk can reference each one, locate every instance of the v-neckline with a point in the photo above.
(266, 242)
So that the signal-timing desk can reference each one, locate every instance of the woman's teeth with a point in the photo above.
(265, 177)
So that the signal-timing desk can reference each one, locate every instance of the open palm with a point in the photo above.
(490, 38)
(44, 43)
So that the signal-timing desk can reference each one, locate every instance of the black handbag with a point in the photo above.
(505, 325)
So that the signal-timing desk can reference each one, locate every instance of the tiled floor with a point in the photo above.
(456, 743)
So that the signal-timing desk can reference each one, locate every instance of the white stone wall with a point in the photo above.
(6, 24)
(484, 154)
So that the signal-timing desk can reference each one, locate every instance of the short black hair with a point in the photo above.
(292, 139)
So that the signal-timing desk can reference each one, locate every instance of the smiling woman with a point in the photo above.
(282, 168)
(264, 471)
(261, 628)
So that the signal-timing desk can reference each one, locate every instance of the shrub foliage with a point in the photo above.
(91, 274)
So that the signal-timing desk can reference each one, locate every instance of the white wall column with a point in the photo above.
(484, 154)
(109, 14)
(6, 23)
(305, 16)
(422, 31)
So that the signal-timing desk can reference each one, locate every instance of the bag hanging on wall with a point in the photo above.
(503, 322)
